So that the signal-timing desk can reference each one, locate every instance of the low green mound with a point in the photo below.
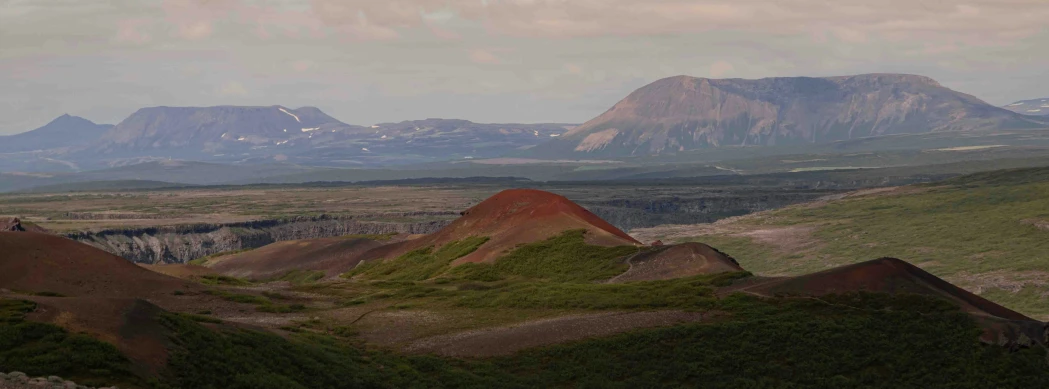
(564, 258)
(985, 232)
(691, 293)
(420, 264)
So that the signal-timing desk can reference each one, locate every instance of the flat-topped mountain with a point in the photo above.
(213, 129)
(684, 113)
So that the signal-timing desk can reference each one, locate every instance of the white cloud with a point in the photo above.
(368, 61)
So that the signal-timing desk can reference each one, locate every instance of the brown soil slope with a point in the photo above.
(333, 256)
(128, 323)
(513, 217)
(182, 270)
(507, 340)
(34, 262)
(885, 275)
(675, 261)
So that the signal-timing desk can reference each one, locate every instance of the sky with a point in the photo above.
(523, 61)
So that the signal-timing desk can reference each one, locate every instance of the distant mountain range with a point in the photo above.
(260, 135)
(686, 113)
(1036, 107)
(667, 117)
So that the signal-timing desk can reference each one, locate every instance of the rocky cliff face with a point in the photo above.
(179, 244)
(684, 113)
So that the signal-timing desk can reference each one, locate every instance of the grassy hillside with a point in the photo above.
(839, 341)
(851, 341)
(987, 232)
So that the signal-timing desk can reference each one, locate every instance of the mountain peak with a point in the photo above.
(64, 131)
(67, 118)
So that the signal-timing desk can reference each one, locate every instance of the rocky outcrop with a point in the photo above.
(16, 224)
(181, 243)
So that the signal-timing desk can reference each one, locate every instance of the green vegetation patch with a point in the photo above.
(419, 264)
(856, 340)
(40, 349)
(564, 258)
(263, 303)
(200, 318)
(239, 298)
(796, 343)
(559, 273)
(299, 276)
(223, 280)
(980, 232)
(207, 358)
(692, 293)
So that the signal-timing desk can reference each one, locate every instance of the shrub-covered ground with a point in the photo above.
(988, 233)
(847, 341)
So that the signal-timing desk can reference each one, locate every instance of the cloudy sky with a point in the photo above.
(370, 61)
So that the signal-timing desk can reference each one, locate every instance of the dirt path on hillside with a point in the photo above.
(508, 340)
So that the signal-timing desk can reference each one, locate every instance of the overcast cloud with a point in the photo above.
(369, 61)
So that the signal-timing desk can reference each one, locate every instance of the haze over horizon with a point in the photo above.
(366, 62)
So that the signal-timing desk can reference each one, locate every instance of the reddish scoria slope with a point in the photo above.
(35, 262)
(511, 218)
(333, 256)
(885, 275)
(676, 261)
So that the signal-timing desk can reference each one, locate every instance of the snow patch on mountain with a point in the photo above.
(289, 113)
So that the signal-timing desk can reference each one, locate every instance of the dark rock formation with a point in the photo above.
(16, 224)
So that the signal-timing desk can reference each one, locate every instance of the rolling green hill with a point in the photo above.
(987, 232)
